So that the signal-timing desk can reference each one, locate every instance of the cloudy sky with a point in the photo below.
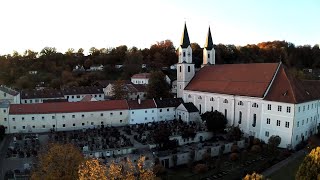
(35, 24)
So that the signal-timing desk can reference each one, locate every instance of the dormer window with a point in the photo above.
(189, 96)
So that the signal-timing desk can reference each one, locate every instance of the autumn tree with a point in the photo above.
(253, 176)
(92, 169)
(158, 87)
(118, 91)
(215, 121)
(310, 167)
(58, 161)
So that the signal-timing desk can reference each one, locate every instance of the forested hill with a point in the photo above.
(55, 69)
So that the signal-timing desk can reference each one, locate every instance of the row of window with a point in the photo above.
(146, 118)
(63, 116)
(307, 121)
(308, 107)
(280, 108)
(152, 111)
(63, 125)
(287, 124)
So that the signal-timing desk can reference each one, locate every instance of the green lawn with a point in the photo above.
(288, 171)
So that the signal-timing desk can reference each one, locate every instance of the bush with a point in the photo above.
(255, 149)
(234, 156)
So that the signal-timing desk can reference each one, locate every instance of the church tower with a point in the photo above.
(185, 67)
(209, 54)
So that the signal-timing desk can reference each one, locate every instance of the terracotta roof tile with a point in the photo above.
(286, 88)
(145, 104)
(67, 107)
(142, 75)
(235, 79)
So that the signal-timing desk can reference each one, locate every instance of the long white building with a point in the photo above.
(263, 99)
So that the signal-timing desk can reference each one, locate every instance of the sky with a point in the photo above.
(63, 24)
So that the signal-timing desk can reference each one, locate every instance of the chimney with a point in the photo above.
(139, 101)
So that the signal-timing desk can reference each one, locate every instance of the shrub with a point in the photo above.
(200, 168)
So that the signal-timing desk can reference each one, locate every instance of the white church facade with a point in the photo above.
(263, 99)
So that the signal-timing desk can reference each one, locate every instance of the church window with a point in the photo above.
(254, 120)
(211, 99)
(240, 103)
(240, 117)
(225, 101)
(279, 108)
(211, 108)
(225, 113)
(188, 68)
(268, 120)
(199, 97)
(200, 108)
(278, 122)
(180, 68)
(255, 105)
(208, 55)
(288, 109)
(184, 54)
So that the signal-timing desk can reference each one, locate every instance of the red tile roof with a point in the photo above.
(286, 88)
(235, 79)
(142, 76)
(67, 107)
(145, 104)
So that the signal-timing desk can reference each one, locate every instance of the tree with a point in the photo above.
(161, 136)
(92, 169)
(58, 161)
(273, 143)
(48, 51)
(200, 168)
(235, 133)
(310, 167)
(215, 121)
(118, 91)
(158, 87)
(253, 176)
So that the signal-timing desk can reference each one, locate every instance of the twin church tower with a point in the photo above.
(185, 67)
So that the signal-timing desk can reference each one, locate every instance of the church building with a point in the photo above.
(263, 99)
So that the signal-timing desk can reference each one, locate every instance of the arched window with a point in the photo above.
(189, 96)
(188, 68)
(211, 108)
(211, 99)
(240, 117)
(225, 101)
(240, 103)
(199, 97)
(255, 105)
(225, 113)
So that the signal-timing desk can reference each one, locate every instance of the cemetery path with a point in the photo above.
(277, 166)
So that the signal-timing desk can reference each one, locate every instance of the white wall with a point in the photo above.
(4, 115)
(138, 116)
(79, 97)
(140, 80)
(65, 121)
(164, 114)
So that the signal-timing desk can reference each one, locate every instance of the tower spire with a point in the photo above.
(209, 44)
(185, 42)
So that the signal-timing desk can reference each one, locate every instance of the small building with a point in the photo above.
(96, 68)
(142, 111)
(75, 94)
(10, 95)
(166, 108)
(142, 78)
(40, 96)
(133, 91)
(188, 112)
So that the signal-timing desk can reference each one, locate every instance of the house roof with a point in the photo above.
(142, 76)
(168, 102)
(286, 88)
(209, 44)
(140, 87)
(82, 90)
(145, 104)
(190, 107)
(43, 93)
(8, 90)
(185, 41)
(67, 107)
(235, 79)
